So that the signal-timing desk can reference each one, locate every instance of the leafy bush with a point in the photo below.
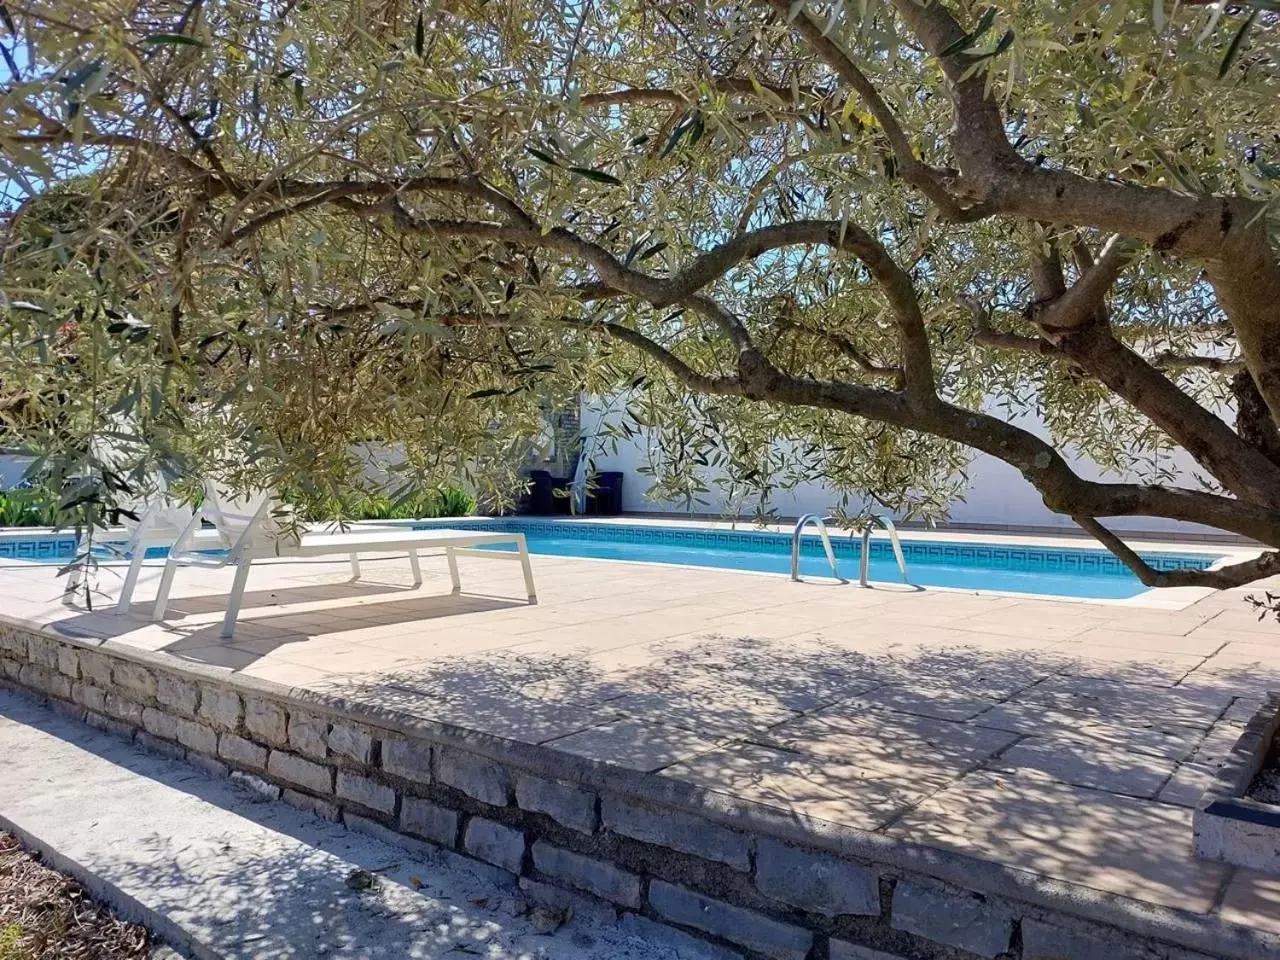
(456, 502)
(28, 507)
(422, 504)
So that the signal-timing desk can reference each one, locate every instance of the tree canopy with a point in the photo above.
(848, 241)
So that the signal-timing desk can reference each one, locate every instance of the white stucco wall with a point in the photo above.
(12, 467)
(997, 493)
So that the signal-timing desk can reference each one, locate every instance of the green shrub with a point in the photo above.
(422, 504)
(37, 507)
(28, 507)
(455, 502)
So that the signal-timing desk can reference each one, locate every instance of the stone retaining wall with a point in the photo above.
(659, 857)
(1229, 826)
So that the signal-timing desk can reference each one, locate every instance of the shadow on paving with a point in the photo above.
(180, 607)
(1004, 755)
(722, 686)
(1039, 760)
(257, 635)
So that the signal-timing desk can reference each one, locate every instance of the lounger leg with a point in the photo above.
(528, 572)
(453, 569)
(355, 567)
(131, 579)
(162, 594)
(235, 599)
(73, 578)
(415, 567)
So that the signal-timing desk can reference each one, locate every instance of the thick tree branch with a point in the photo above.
(909, 167)
(1070, 323)
(1063, 490)
(729, 324)
(698, 382)
(978, 136)
(917, 360)
(1172, 360)
(1227, 234)
(1222, 578)
(848, 349)
(1253, 422)
(1084, 263)
(281, 213)
(1240, 465)
(1084, 301)
(987, 335)
(323, 192)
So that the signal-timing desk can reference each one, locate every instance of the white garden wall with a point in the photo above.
(12, 468)
(997, 494)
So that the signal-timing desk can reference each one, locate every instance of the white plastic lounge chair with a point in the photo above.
(159, 521)
(159, 524)
(251, 530)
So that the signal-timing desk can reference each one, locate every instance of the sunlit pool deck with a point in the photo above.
(1063, 745)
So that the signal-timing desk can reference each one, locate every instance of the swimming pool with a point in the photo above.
(965, 565)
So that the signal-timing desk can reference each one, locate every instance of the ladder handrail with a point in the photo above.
(818, 522)
(864, 561)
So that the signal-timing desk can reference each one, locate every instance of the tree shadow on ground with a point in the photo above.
(277, 887)
(1048, 763)
(258, 634)
(1048, 759)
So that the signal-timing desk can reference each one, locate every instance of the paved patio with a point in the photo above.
(1070, 740)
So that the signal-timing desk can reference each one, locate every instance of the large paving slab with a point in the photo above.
(1111, 843)
(1067, 739)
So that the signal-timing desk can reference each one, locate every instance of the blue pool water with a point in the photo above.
(1055, 571)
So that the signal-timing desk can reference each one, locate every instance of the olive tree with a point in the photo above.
(851, 241)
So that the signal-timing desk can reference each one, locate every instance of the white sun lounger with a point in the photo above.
(158, 525)
(250, 531)
(156, 520)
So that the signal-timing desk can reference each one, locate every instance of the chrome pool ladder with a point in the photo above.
(864, 559)
(818, 522)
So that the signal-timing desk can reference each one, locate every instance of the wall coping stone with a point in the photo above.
(1229, 827)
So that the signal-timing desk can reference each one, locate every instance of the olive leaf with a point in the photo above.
(1234, 47)
(969, 39)
(172, 39)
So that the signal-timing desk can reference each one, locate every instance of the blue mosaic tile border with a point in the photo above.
(987, 556)
(37, 548)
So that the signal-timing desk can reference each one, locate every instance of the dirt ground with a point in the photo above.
(46, 916)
